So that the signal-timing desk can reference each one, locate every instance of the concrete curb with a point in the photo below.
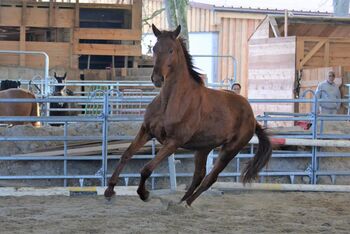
(227, 186)
(64, 191)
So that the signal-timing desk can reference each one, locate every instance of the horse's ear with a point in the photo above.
(156, 31)
(177, 31)
(64, 77)
(54, 74)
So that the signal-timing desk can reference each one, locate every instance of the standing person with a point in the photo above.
(331, 91)
(236, 87)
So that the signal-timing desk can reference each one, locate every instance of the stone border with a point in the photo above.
(64, 191)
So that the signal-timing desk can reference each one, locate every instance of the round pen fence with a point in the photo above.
(84, 148)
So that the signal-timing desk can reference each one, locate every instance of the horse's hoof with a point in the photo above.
(109, 193)
(144, 196)
(178, 207)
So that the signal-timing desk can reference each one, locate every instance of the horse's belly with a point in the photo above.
(201, 141)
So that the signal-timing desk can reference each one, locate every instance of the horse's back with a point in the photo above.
(16, 93)
(17, 108)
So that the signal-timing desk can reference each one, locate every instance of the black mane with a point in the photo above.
(194, 74)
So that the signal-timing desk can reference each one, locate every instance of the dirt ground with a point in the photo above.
(236, 212)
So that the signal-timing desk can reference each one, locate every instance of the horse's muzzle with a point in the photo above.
(157, 80)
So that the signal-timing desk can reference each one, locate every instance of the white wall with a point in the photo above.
(201, 43)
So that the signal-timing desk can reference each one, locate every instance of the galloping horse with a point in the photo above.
(187, 114)
(20, 108)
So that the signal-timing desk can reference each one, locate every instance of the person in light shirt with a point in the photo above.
(331, 92)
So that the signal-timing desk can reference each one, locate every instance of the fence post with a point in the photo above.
(172, 172)
(314, 136)
(105, 114)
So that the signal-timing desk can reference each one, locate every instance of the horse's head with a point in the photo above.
(60, 80)
(165, 54)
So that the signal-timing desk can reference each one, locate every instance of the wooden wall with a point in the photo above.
(234, 30)
(59, 54)
(271, 71)
(53, 14)
(315, 52)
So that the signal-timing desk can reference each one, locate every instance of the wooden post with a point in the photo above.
(126, 61)
(136, 14)
(77, 14)
(22, 34)
(88, 62)
(51, 13)
(113, 69)
(286, 23)
(326, 54)
(75, 40)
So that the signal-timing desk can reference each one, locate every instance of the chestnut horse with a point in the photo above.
(187, 114)
(19, 108)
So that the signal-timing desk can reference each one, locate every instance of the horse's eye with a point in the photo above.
(171, 51)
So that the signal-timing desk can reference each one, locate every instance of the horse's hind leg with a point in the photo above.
(167, 149)
(227, 153)
(141, 139)
(200, 160)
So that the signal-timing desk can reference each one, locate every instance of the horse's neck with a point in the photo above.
(179, 86)
(58, 92)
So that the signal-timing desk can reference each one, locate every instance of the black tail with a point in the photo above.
(261, 157)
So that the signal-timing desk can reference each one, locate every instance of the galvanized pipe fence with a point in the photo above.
(111, 98)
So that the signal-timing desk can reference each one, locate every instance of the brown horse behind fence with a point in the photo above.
(187, 114)
(18, 109)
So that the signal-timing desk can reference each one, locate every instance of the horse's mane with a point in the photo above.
(194, 74)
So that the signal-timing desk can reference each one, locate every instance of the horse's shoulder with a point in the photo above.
(153, 107)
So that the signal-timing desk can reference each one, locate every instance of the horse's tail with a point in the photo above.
(35, 112)
(261, 157)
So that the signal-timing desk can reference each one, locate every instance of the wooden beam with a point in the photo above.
(108, 34)
(300, 52)
(108, 6)
(312, 52)
(136, 15)
(79, 151)
(240, 15)
(51, 13)
(326, 54)
(286, 23)
(22, 45)
(24, 14)
(330, 39)
(107, 49)
(22, 34)
(274, 27)
(77, 15)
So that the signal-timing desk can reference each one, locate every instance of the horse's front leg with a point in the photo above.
(142, 137)
(167, 149)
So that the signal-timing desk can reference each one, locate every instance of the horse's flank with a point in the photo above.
(20, 108)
